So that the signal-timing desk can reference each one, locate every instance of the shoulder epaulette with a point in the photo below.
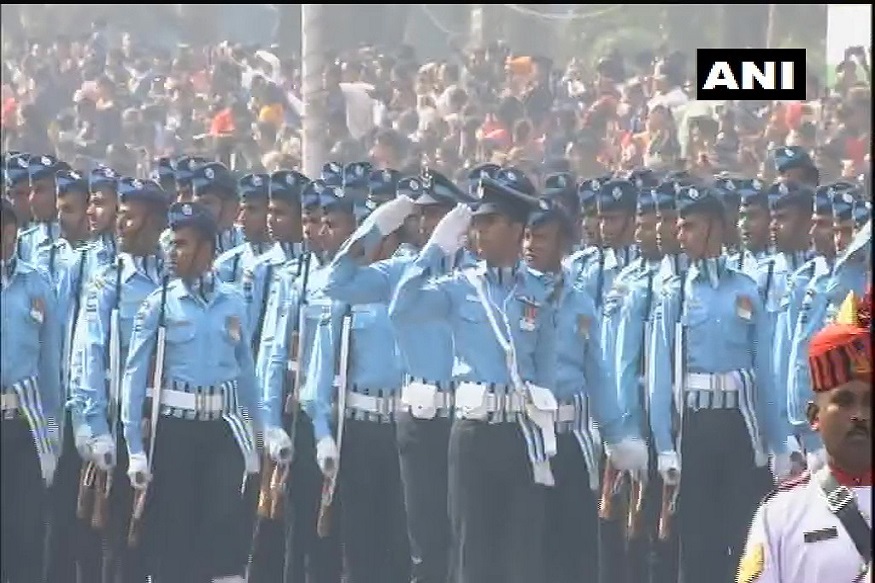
(788, 484)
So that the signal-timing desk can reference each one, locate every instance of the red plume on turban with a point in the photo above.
(842, 351)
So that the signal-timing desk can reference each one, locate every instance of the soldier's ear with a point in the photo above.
(812, 413)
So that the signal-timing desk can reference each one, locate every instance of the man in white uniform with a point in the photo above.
(817, 528)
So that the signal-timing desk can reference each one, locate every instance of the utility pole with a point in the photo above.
(771, 41)
(313, 96)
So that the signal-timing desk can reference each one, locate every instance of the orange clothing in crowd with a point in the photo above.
(223, 123)
(272, 114)
(7, 116)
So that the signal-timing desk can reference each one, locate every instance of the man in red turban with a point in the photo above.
(817, 528)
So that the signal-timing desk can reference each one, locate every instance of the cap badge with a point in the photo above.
(484, 173)
(848, 198)
(387, 176)
(75, 175)
(595, 185)
(757, 184)
(782, 188)
(45, 161)
(693, 194)
(186, 210)
(543, 205)
(511, 175)
(617, 193)
(137, 183)
(730, 185)
(256, 180)
(562, 181)
(639, 183)
(359, 170)
(290, 179)
(22, 163)
(414, 185)
(209, 173)
(788, 152)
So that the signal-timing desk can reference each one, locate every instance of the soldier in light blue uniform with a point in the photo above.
(426, 351)
(45, 229)
(823, 295)
(790, 206)
(183, 172)
(371, 502)
(356, 177)
(504, 338)
(561, 188)
(122, 285)
(284, 217)
(616, 210)
(31, 403)
(794, 164)
(102, 207)
(253, 190)
(17, 187)
(214, 187)
(585, 400)
(164, 173)
(630, 309)
(722, 394)
(66, 543)
(591, 251)
(487, 170)
(204, 444)
(753, 224)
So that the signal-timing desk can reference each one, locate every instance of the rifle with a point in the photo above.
(666, 510)
(636, 495)
(139, 506)
(612, 481)
(274, 476)
(329, 484)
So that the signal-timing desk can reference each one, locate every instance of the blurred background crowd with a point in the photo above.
(585, 88)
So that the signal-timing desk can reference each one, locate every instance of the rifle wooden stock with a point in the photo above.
(102, 485)
(636, 504)
(136, 527)
(277, 489)
(610, 479)
(666, 511)
(265, 503)
(323, 523)
(85, 498)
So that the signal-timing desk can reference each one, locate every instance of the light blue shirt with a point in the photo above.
(726, 327)
(206, 346)
(597, 277)
(578, 261)
(520, 302)
(30, 334)
(230, 265)
(426, 347)
(35, 236)
(260, 276)
(126, 289)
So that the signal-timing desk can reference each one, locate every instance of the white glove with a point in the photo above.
(138, 471)
(781, 466)
(327, 456)
(629, 454)
(391, 215)
(103, 452)
(48, 467)
(449, 234)
(669, 466)
(278, 445)
(82, 439)
(816, 459)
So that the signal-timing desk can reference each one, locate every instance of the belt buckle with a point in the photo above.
(838, 498)
(382, 406)
(198, 402)
(717, 383)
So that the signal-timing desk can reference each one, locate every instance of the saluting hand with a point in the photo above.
(449, 234)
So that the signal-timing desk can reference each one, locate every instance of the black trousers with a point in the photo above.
(121, 562)
(423, 449)
(496, 508)
(289, 550)
(373, 525)
(74, 549)
(23, 501)
(571, 525)
(195, 503)
(719, 492)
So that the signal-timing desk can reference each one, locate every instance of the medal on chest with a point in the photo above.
(530, 314)
(37, 310)
(233, 326)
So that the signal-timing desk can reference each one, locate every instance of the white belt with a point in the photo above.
(371, 404)
(214, 403)
(566, 413)
(511, 402)
(8, 402)
(292, 365)
(711, 382)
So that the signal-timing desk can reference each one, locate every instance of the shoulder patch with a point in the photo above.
(752, 563)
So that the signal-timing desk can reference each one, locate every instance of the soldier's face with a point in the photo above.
(843, 417)
(495, 234)
(696, 233)
(336, 228)
(667, 233)
(821, 235)
(20, 197)
(131, 225)
(788, 227)
(753, 221)
(283, 224)
(72, 216)
(212, 202)
(614, 227)
(543, 247)
(183, 193)
(102, 211)
(253, 219)
(591, 230)
(42, 199)
(190, 253)
(311, 226)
